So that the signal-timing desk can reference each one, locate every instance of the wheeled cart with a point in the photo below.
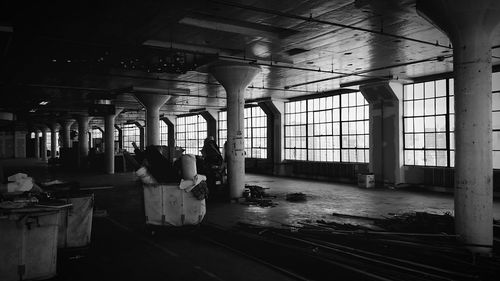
(28, 244)
(75, 222)
(168, 205)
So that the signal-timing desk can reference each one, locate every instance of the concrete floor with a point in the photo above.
(325, 198)
(126, 256)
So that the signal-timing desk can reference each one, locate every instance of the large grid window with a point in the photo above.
(117, 135)
(425, 126)
(96, 135)
(222, 131)
(163, 133)
(295, 130)
(495, 124)
(191, 133)
(355, 128)
(327, 129)
(48, 142)
(322, 130)
(131, 133)
(429, 123)
(255, 131)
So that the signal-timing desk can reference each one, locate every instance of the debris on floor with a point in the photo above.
(418, 222)
(296, 197)
(256, 196)
(260, 202)
(255, 191)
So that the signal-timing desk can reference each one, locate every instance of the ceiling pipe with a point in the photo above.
(120, 91)
(311, 19)
(255, 61)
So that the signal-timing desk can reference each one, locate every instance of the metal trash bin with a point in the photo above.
(75, 223)
(28, 244)
(167, 204)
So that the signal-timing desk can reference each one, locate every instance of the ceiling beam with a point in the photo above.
(311, 19)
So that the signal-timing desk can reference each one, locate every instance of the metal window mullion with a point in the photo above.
(447, 125)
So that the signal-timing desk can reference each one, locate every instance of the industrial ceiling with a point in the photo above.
(73, 53)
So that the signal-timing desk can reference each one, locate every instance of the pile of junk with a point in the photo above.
(38, 220)
(175, 192)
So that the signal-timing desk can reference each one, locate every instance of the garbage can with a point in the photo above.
(168, 205)
(28, 244)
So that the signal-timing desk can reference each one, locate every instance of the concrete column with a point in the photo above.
(109, 140)
(385, 101)
(275, 111)
(66, 132)
(235, 78)
(470, 26)
(53, 139)
(152, 103)
(37, 145)
(211, 116)
(44, 143)
(83, 137)
(170, 121)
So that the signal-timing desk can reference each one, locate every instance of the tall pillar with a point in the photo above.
(66, 132)
(152, 103)
(211, 116)
(109, 140)
(44, 143)
(53, 139)
(275, 111)
(170, 121)
(83, 137)
(470, 24)
(235, 78)
(37, 144)
(385, 101)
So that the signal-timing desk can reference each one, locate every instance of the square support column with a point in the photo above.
(386, 131)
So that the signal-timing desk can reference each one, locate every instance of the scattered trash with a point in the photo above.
(419, 222)
(260, 202)
(296, 197)
(200, 191)
(255, 191)
(256, 196)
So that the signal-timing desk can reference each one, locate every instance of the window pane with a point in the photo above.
(418, 108)
(430, 158)
(441, 106)
(496, 101)
(496, 140)
(441, 88)
(441, 158)
(418, 91)
(495, 120)
(496, 159)
(408, 92)
(409, 157)
(409, 141)
(419, 157)
(419, 141)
